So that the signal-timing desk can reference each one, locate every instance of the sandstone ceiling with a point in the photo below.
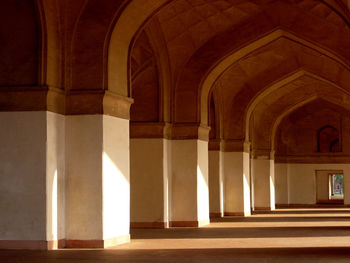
(230, 64)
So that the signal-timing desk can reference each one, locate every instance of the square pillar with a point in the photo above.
(263, 167)
(98, 188)
(32, 180)
(149, 183)
(234, 167)
(216, 185)
(281, 184)
(189, 196)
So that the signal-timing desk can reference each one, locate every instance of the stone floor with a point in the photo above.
(285, 235)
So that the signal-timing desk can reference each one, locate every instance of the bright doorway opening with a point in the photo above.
(329, 187)
(336, 186)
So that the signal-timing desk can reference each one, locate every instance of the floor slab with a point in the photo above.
(284, 235)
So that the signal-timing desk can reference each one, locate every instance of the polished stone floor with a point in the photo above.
(285, 235)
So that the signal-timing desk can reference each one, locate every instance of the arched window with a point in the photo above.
(328, 140)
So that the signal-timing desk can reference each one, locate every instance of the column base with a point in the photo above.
(159, 225)
(216, 215)
(263, 208)
(237, 213)
(189, 223)
(32, 244)
(98, 243)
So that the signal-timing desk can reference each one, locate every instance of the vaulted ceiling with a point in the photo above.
(240, 67)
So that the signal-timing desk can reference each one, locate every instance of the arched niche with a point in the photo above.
(328, 140)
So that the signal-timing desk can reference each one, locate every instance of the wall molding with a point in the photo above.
(77, 102)
(337, 158)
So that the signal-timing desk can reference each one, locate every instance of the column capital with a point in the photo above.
(235, 146)
(32, 98)
(81, 102)
(214, 144)
(266, 154)
(177, 131)
(74, 102)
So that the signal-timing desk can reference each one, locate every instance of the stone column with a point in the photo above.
(234, 167)
(98, 183)
(216, 184)
(263, 167)
(189, 196)
(148, 176)
(281, 183)
(32, 180)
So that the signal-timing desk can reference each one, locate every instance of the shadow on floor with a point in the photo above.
(301, 212)
(300, 255)
(240, 232)
(281, 219)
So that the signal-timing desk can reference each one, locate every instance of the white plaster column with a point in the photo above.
(149, 183)
(263, 167)
(216, 185)
(55, 181)
(189, 198)
(234, 168)
(98, 189)
(281, 183)
(32, 202)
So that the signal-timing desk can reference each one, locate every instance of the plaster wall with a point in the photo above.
(55, 177)
(322, 185)
(189, 180)
(215, 184)
(281, 183)
(23, 175)
(202, 181)
(302, 181)
(97, 177)
(116, 177)
(84, 177)
(234, 168)
(264, 177)
(148, 184)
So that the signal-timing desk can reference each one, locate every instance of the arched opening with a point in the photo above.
(328, 140)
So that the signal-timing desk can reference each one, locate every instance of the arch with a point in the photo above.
(49, 13)
(222, 66)
(126, 27)
(311, 113)
(298, 57)
(165, 79)
(221, 46)
(145, 81)
(286, 113)
(23, 26)
(284, 81)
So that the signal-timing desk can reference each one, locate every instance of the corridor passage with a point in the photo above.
(284, 235)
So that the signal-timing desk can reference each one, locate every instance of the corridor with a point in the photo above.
(284, 235)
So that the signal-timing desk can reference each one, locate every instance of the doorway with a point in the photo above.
(329, 187)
